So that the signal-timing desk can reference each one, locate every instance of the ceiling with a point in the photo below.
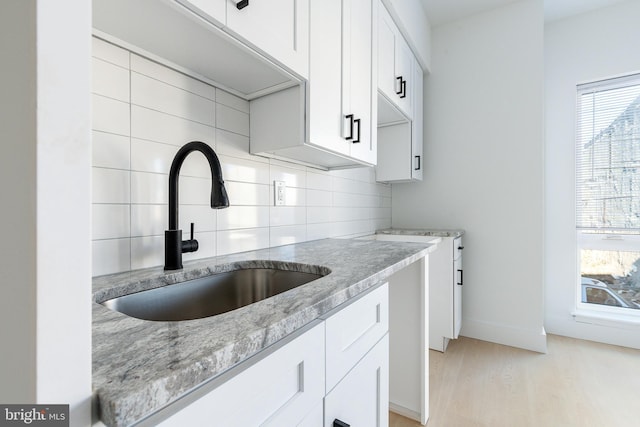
(443, 11)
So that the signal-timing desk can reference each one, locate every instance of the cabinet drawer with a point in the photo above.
(353, 331)
(282, 389)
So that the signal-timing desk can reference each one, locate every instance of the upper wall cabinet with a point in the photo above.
(329, 122)
(395, 64)
(400, 126)
(250, 51)
(214, 11)
(278, 27)
(400, 143)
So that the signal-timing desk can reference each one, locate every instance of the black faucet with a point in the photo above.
(174, 246)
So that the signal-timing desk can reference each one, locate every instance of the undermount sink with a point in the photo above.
(210, 295)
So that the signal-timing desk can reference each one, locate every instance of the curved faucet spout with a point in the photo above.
(219, 199)
(174, 245)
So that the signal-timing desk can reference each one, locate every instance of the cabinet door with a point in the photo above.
(404, 78)
(386, 53)
(214, 11)
(280, 28)
(324, 90)
(357, 67)
(340, 78)
(362, 397)
(417, 131)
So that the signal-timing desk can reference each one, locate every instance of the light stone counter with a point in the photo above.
(141, 366)
(422, 232)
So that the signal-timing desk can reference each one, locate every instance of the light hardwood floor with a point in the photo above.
(578, 383)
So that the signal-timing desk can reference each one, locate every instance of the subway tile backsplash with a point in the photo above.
(142, 113)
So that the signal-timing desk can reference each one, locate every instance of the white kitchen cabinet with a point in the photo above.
(400, 106)
(417, 124)
(193, 37)
(279, 28)
(446, 282)
(286, 384)
(400, 142)
(395, 64)
(329, 121)
(361, 398)
(284, 388)
(353, 331)
(214, 11)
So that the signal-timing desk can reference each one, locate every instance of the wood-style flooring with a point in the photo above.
(577, 384)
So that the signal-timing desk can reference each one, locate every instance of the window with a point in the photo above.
(608, 193)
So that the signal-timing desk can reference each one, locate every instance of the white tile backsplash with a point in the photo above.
(110, 256)
(110, 80)
(111, 186)
(110, 115)
(149, 156)
(292, 177)
(149, 220)
(143, 113)
(232, 241)
(235, 145)
(171, 77)
(247, 194)
(318, 198)
(288, 234)
(287, 215)
(244, 170)
(232, 120)
(160, 96)
(110, 221)
(232, 101)
(147, 251)
(111, 151)
(149, 188)
(110, 53)
(237, 217)
(169, 129)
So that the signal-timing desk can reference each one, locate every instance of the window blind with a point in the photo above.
(608, 155)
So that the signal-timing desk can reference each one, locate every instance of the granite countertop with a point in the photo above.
(422, 232)
(141, 366)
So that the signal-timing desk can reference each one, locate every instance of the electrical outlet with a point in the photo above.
(279, 190)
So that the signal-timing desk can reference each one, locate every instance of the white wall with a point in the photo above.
(44, 311)
(484, 167)
(583, 48)
(143, 112)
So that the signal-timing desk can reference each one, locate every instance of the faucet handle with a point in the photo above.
(190, 245)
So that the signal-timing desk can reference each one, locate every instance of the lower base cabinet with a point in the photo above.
(362, 397)
(283, 389)
(336, 373)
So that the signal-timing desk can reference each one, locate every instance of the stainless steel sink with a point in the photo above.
(208, 296)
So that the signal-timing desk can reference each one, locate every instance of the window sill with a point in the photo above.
(622, 321)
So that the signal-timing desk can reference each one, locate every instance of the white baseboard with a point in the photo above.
(607, 333)
(405, 412)
(506, 335)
